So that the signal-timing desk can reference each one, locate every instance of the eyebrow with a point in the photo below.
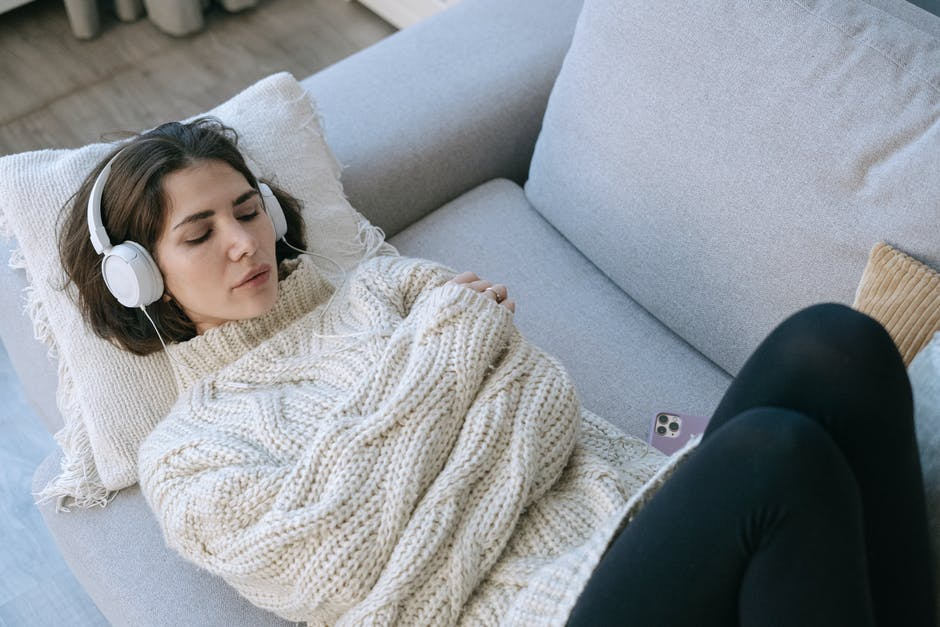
(208, 213)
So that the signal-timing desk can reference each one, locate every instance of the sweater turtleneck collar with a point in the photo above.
(299, 292)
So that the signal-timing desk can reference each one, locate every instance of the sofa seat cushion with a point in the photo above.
(728, 163)
(626, 364)
(119, 557)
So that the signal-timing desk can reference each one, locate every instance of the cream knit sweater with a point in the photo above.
(436, 469)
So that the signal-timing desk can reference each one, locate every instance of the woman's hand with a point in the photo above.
(496, 291)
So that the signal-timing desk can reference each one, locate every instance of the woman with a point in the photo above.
(802, 505)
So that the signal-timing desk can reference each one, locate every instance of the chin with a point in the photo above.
(254, 312)
(247, 308)
(264, 303)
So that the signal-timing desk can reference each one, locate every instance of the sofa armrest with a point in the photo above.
(438, 108)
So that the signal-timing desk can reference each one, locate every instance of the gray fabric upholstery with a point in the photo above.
(436, 109)
(626, 364)
(118, 555)
(30, 359)
(731, 162)
(913, 13)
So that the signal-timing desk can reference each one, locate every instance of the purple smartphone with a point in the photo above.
(670, 431)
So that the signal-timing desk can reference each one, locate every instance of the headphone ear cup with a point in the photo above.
(274, 210)
(132, 275)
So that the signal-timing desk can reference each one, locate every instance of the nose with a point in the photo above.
(242, 241)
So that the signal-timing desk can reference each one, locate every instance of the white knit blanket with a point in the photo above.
(438, 471)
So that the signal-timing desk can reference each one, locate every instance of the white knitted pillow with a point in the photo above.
(924, 373)
(111, 399)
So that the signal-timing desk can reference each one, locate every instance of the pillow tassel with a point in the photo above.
(79, 483)
(5, 229)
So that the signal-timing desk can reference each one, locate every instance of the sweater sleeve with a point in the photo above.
(297, 497)
(400, 282)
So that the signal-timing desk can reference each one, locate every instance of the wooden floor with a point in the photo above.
(58, 92)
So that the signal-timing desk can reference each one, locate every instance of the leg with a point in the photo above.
(176, 17)
(842, 369)
(760, 526)
(83, 18)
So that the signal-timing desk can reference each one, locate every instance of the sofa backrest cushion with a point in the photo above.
(729, 162)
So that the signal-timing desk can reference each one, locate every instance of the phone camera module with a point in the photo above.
(663, 418)
(661, 430)
(673, 426)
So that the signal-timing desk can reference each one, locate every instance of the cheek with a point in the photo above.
(183, 273)
(264, 231)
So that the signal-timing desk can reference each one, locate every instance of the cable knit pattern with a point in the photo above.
(435, 468)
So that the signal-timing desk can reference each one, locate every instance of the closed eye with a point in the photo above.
(248, 217)
(201, 239)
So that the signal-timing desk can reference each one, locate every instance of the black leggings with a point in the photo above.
(803, 504)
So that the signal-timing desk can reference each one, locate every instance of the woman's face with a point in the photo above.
(216, 251)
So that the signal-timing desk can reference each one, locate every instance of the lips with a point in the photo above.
(255, 276)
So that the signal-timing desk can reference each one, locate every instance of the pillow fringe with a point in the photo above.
(79, 483)
(369, 239)
(42, 330)
(17, 259)
(5, 229)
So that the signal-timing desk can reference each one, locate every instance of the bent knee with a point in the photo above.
(781, 451)
(841, 329)
(842, 344)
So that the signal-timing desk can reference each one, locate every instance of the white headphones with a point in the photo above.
(129, 271)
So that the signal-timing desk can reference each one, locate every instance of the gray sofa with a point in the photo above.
(698, 174)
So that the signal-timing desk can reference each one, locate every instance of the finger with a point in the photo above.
(501, 291)
(493, 292)
(509, 304)
(480, 285)
(465, 277)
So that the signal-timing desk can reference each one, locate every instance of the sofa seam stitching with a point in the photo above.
(904, 68)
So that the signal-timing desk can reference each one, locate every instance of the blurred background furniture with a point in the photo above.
(404, 13)
(182, 17)
(174, 17)
(85, 18)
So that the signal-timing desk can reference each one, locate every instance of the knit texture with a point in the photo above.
(903, 294)
(397, 454)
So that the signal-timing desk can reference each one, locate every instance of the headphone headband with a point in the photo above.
(99, 235)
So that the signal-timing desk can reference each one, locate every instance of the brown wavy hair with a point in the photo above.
(133, 207)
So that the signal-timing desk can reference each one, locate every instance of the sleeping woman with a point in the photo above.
(389, 449)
